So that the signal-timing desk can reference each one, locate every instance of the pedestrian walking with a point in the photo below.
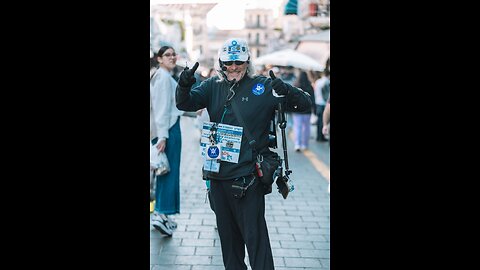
(326, 119)
(301, 120)
(238, 196)
(326, 127)
(320, 102)
(166, 121)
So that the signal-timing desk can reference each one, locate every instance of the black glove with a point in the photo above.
(187, 78)
(278, 85)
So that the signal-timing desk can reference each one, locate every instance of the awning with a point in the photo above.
(316, 46)
(321, 36)
(289, 57)
(291, 7)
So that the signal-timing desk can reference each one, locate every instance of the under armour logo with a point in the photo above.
(244, 98)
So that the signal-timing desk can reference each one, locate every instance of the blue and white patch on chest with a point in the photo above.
(258, 89)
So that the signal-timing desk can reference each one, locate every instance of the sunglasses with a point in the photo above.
(229, 63)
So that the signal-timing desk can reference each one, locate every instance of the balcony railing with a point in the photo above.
(255, 26)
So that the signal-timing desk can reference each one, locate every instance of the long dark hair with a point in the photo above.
(153, 61)
(160, 54)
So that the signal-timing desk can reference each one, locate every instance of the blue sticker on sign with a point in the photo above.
(258, 89)
(213, 152)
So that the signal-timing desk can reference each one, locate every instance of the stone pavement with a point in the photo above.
(299, 227)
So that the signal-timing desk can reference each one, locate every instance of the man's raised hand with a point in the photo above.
(278, 85)
(187, 77)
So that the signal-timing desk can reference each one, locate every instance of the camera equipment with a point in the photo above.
(272, 134)
(284, 184)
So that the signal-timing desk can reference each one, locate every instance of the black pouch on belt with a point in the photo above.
(269, 165)
(240, 186)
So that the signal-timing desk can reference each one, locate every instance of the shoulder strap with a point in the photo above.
(251, 140)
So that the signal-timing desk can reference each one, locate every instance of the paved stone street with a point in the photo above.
(299, 226)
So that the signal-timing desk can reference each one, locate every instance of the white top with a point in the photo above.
(164, 111)
(153, 131)
(319, 100)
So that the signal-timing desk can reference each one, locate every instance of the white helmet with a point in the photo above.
(234, 49)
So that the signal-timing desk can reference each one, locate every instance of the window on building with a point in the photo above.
(258, 20)
(257, 38)
(258, 53)
(249, 37)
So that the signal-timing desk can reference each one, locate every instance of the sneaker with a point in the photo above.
(297, 148)
(172, 225)
(161, 225)
(156, 216)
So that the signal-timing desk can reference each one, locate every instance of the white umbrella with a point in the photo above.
(323, 36)
(289, 57)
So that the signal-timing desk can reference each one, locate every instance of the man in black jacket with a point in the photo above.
(240, 216)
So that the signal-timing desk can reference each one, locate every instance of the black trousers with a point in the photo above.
(320, 136)
(242, 222)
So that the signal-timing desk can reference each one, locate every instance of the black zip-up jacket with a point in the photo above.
(256, 103)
